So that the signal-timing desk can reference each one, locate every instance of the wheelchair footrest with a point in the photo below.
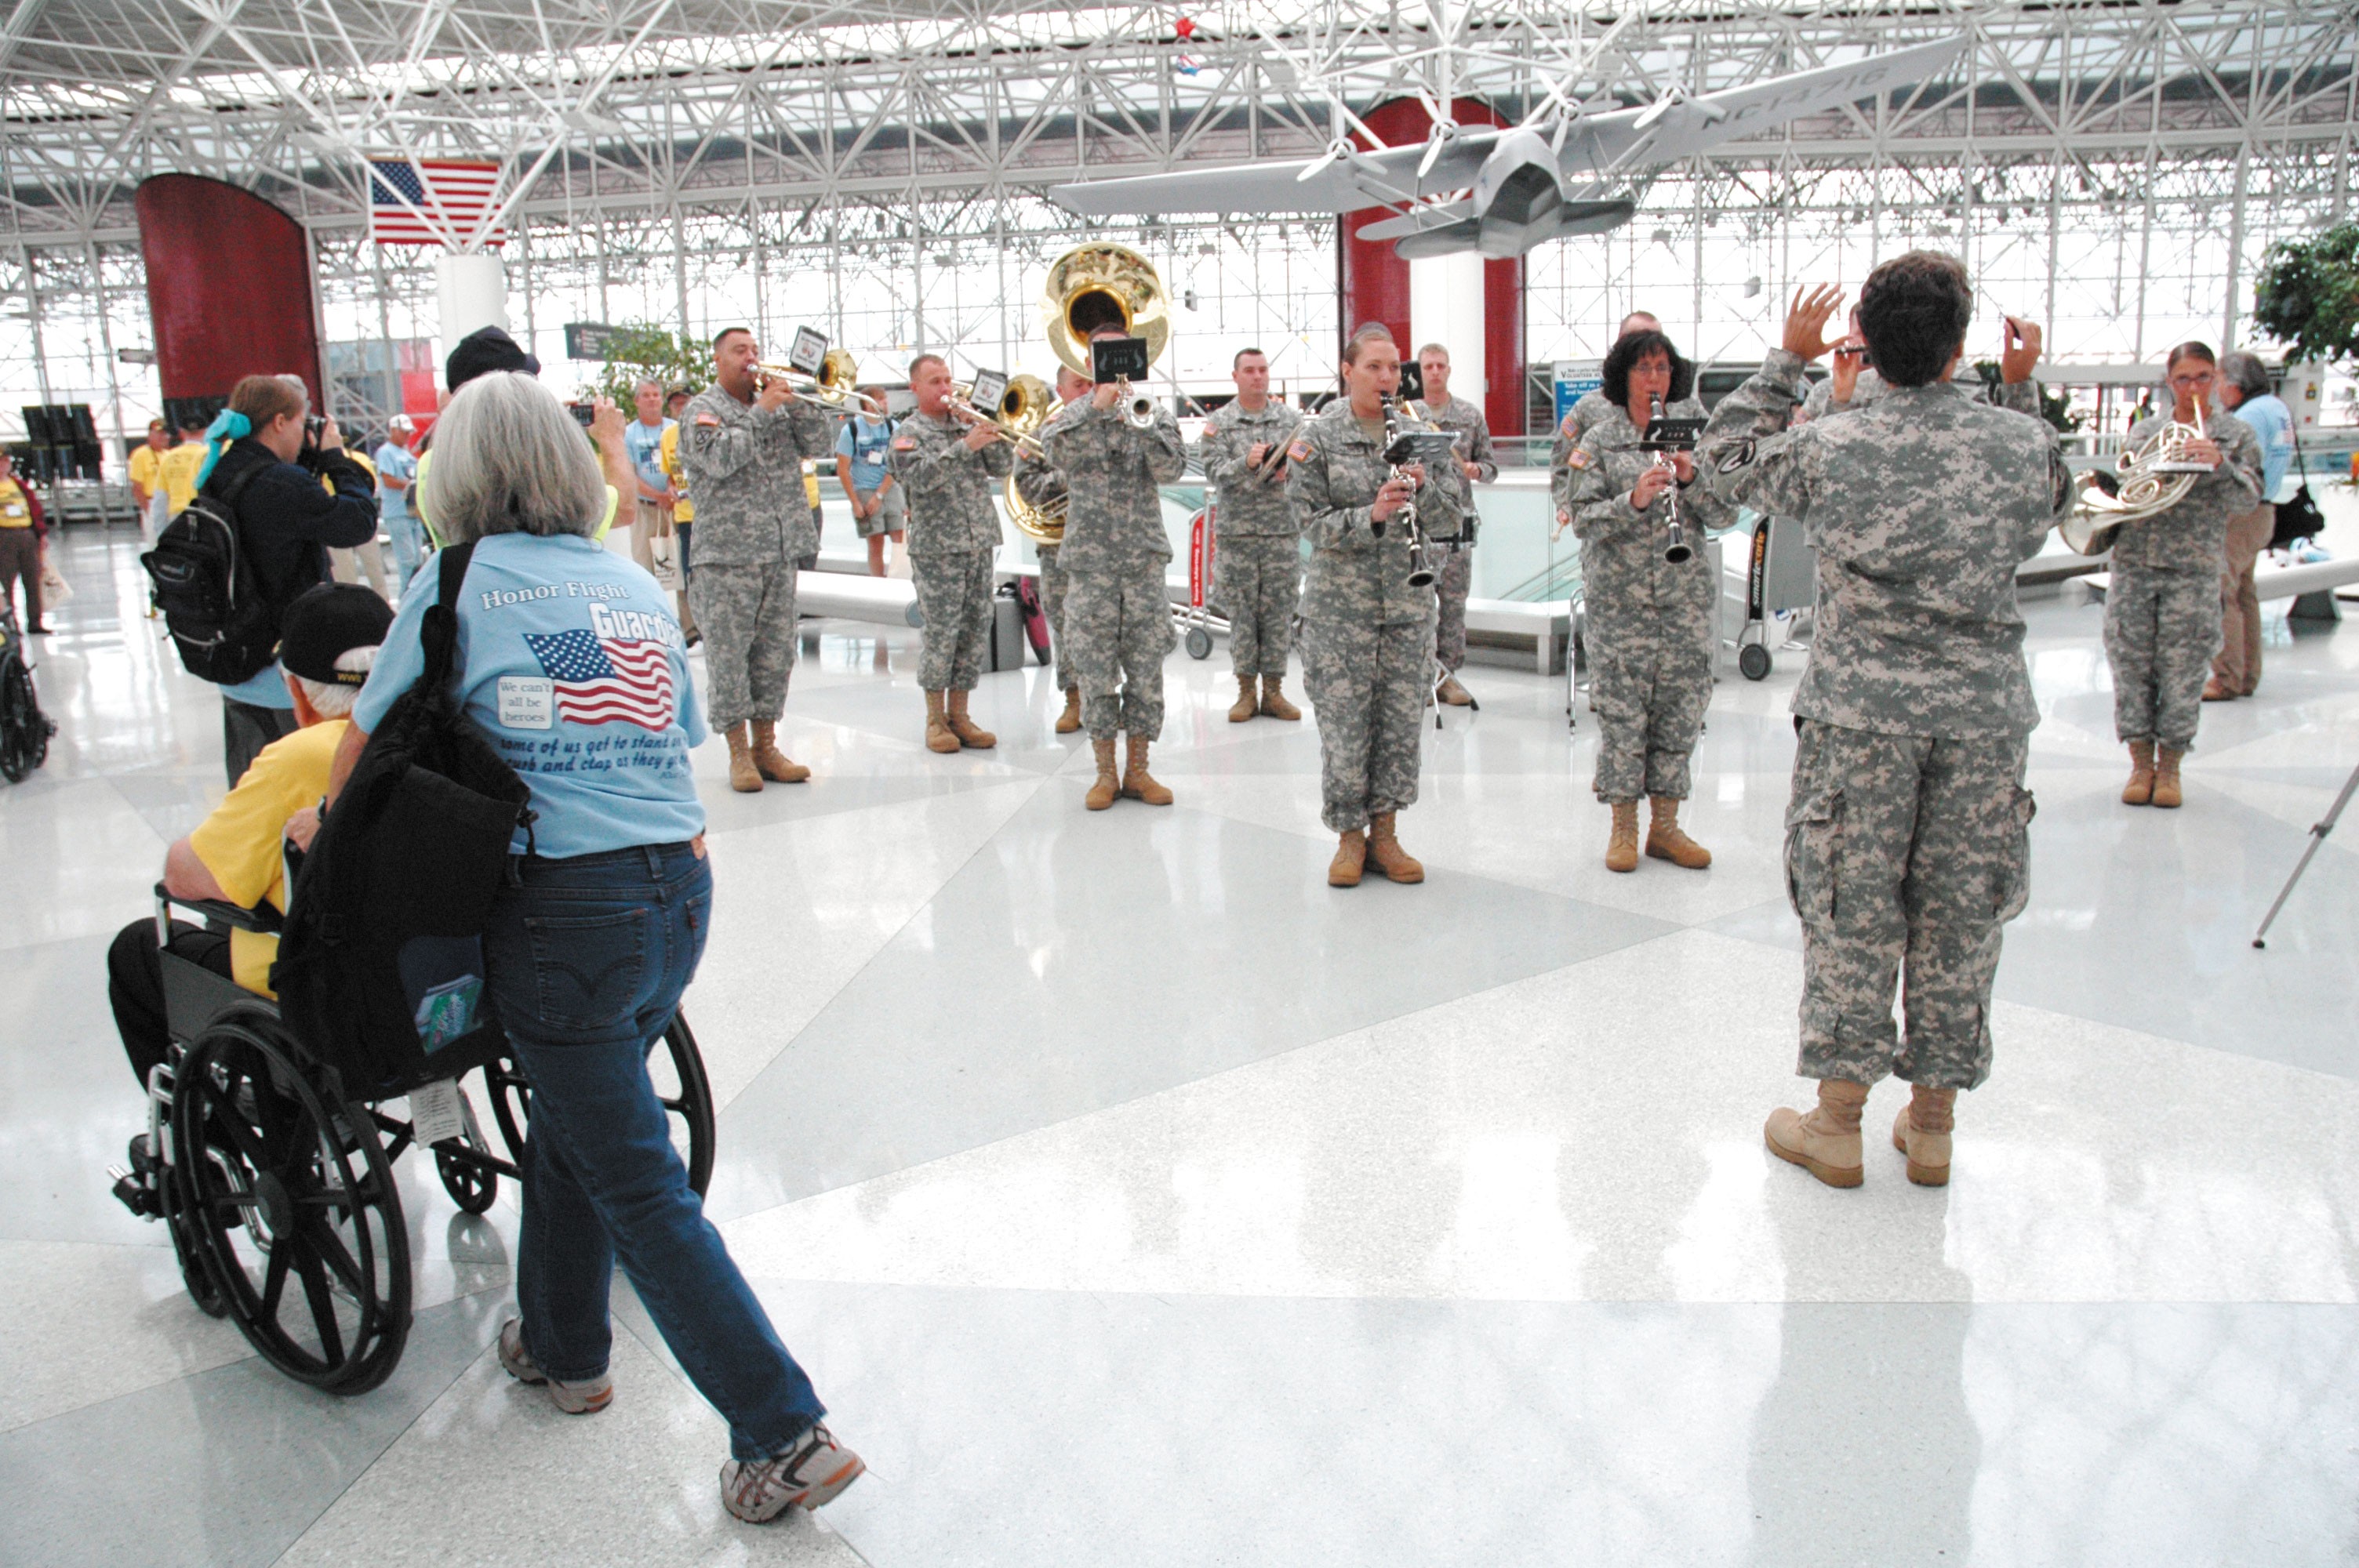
(133, 1193)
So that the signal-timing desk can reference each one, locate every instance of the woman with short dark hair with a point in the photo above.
(573, 666)
(1649, 620)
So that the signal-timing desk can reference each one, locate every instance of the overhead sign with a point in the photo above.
(588, 339)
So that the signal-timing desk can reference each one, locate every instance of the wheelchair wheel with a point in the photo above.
(471, 1187)
(291, 1204)
(677, 1071)
(24, 729)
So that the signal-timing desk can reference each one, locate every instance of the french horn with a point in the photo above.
(2152, 479)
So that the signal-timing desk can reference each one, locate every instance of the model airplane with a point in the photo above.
(1503, 190)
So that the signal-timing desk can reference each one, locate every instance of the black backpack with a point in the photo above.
(380, 968)
(205, 588)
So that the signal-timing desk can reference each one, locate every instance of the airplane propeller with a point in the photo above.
(1444, 132)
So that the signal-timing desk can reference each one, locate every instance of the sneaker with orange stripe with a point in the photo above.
(575, 1399)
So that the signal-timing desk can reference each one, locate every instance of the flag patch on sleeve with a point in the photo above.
(1578, 459)
(1298, 450)
(905, 443)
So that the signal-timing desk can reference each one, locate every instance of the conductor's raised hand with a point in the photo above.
(2019, 353)
(1806, 320)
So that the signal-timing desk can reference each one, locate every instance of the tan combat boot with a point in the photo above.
(968, 732)
(1070, 719)
(939, 734)
(1826, 1142)
(2166, 777)
(768, 760)
(2139, 790)
(1136, 782)
(1666, 841)
(1386, 851)
(1454, 694)
(1921, 1131)
(1621, 848)
(1102, 793)
(743, 777)
(1273, 699)
(1351, 858)
(1244, 707)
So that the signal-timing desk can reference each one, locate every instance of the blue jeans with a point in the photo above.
(585, 959)
(408, 548)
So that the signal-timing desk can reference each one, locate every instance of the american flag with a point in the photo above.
(432, 201)
(606, 680)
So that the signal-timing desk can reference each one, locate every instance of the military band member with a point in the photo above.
(1465, 421)
(747, 437)
(1257, 557)
(1907, 836)
(1650, 622)
(1114, 553)
(1040, 485)
(2162, 610)
(1367, 634)
(1592, 406)
(1851, 383)
(948, 464)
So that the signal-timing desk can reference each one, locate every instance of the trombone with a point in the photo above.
(834, 386)
(1023, 408)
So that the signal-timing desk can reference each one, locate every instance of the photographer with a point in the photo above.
(266, 462)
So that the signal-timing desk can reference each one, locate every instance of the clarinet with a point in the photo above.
(1676, 549)
(1421, 574)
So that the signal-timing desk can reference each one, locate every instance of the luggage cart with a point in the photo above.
(1197, 620)
(1780, 583)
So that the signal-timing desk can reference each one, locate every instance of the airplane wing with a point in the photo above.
(1629, 139)
(1383, 178)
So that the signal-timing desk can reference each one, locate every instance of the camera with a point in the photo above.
(583, 412)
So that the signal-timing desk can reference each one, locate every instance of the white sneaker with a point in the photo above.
(808, 1475)
(573, 1399)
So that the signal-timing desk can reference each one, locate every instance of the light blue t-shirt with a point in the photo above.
(645, 443)
(2272, 421)
(868, 443)
(571, 664)
(395, 461)
(266, 688)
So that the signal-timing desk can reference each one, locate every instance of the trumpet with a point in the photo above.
(1676, 551)
(833, 385)
(1138, 408)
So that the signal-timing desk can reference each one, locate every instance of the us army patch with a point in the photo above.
(905, 443)
(1737, 456)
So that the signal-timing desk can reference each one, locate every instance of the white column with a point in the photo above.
(474, 293)
(1445, 307)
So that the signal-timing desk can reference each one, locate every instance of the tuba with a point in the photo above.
(1093, 285)
(2153, 479)
(1022, 409)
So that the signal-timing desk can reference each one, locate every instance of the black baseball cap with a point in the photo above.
(481, 351)
(326, 622)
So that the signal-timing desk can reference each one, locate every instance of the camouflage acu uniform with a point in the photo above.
(1650, 623)
(1040, 483)
(1465, 421)
(1906, 838)
(752, 524)
(1257, 554)
(1114, 553)
(1367, 635)
(954, 537)
(2023, 396)
(2162, 609)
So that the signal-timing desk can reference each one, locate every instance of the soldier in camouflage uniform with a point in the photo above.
(1587, 409)
(946, 464)
(1257, 559)
(1367, 634)
(1906, 838)
(1465, 421)
(743, 447)
(1040, 485)
(1114, 549)
(1853, 384)
(1650, 623)
(2162, 612)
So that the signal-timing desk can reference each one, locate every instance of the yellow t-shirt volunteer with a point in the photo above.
(16, 512)
(667, 458)
(239, 843)
(145, 462)
(178, 469)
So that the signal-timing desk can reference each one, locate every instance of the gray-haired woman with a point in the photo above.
(572, 665)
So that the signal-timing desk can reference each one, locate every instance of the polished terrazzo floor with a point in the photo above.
(1136, 1198)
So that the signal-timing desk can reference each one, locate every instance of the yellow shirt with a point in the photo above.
(810, 483)
(239, 843)
(16, 512)
(360, 457)
(177, 467)
(667, 458)
(144, 460)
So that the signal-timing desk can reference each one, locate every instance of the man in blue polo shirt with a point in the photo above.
(2245, 392)
(878, 507)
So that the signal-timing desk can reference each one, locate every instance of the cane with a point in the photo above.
(2317, 835)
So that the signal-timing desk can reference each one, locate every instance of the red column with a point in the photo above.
(1372, 283)
(229, 288)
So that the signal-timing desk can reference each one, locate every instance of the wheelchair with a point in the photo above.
(24, 730)
(278, 1189)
